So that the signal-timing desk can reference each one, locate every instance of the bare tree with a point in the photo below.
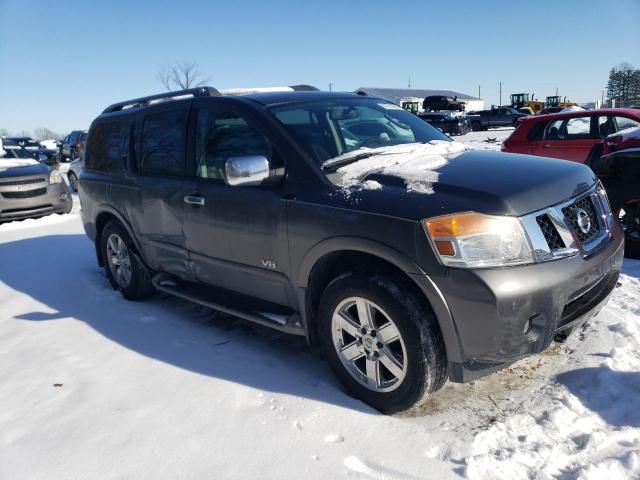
(180, 76)
(45, 134)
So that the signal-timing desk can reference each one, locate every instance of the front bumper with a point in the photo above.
(56, 199)
(502, 315)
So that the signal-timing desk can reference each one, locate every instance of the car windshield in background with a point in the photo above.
(25, 142)
(16, 153)
(331, 128)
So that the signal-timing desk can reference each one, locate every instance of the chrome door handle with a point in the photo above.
(194, 200)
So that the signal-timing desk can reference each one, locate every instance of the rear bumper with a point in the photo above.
(502, 315)
(57, 199)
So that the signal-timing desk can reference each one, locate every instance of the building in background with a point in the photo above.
(411, 98)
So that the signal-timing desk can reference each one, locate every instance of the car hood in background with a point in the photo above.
(20, 167)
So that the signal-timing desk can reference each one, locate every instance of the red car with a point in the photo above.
(592, 137)
(570, 135)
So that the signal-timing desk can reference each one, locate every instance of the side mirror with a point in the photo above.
(246, 170)
(58, 143)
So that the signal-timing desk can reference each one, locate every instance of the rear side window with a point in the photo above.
(579, 127)
(162, 145)
(574, 128)
(104, 151)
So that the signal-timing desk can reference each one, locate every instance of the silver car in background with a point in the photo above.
(29, 188)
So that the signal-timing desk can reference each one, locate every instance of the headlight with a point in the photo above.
(55, 177)
(474, 240)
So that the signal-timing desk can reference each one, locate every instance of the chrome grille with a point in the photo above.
(580, 225)
(550, 233)
(572, 213)
(25, 193)
(27, 181)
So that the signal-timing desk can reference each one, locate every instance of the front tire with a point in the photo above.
(382, 342)
(122, 264)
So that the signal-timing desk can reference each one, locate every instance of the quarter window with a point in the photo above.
(221, 135)
(162, 143)
(624, 123)
(104, 148)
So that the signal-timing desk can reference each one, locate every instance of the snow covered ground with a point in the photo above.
(93, 386)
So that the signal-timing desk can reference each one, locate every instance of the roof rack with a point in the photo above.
(201, 92)
(177, 95)
(249, 91)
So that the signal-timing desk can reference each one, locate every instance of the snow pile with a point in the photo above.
(416, 163)
(572, 108)
(51, 144)
(586, 425)
(478, 140)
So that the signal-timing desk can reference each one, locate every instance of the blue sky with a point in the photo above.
(63, 62)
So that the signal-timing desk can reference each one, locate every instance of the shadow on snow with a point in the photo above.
(60, 272)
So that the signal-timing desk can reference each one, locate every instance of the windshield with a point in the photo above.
(16, 153)
(331, 128)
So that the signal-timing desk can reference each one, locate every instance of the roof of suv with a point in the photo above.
(579, 113)
(262, 95)
(274, 98)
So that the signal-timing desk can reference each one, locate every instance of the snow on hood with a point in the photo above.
(415, 163)
(16, 162)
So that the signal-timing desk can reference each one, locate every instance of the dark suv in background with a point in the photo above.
(407, 259)
(441, 102)
(72, 146)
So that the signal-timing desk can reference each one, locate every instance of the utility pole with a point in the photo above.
(409, 86)
(500, 94)
(330, 86)
(479, 96)
(556, 91)
(602, 101)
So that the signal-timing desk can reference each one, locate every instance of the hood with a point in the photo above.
(487, 182)
(21, 167)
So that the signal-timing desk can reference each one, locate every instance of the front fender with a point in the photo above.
(399, 260)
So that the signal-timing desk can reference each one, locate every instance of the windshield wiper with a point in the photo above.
(340, 162)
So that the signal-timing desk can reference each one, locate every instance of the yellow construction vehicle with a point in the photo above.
(557, 101)
(521, 102)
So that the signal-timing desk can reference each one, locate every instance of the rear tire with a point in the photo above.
(122, 263)
(392, 357)
(476, 126)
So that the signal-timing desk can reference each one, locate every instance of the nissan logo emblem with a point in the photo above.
(584, 220)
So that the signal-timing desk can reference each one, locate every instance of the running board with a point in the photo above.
(282, 321)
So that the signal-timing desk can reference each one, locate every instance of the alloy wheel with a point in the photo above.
(369, 344)
(119, 260)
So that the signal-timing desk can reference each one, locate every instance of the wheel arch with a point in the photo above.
(335, 256)
(104, 215)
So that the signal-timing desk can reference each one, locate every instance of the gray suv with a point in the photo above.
(405, 258)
